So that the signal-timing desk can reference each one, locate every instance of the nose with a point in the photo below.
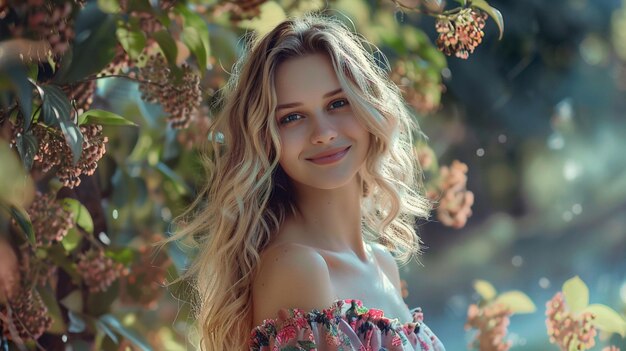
(323, 129)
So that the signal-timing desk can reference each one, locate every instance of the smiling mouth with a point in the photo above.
(330, 158)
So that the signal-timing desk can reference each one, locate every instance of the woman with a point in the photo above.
(312, 169)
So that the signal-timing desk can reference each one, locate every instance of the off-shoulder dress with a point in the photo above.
(347, 325)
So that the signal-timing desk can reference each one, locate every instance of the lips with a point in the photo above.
(328, 153)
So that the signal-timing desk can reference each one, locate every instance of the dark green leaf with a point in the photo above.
(23, 221)
(94, 46)
(167, 45)
(56, 106)
(132, 41)
(191, 37)
(82, 217)
(59, 257)
(27, 146)
(18, 76)
(128, 333)
(140, 6)
(491, 11)
(104, 118)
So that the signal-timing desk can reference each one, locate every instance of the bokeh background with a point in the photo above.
(538, 118)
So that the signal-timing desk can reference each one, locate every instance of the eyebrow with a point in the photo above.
(295, 104)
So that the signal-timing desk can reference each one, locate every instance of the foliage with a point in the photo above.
(111, 173)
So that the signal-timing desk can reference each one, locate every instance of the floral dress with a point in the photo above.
(346, 326)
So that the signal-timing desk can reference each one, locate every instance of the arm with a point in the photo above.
(290, 276)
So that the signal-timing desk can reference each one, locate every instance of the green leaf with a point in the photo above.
(27, 146)
(94, 46)
(493, 12)
(73, 301)
(104, 118)
(54, 311)
(607, 319)
(18, 76)
(128, 333)
(109, 6)
(82, 217)
(124, 256)
(167, 45)
(193, 41)
(576, 294)
(23, 221)
(59, 257)
(132, 41)
(71, 239)
(56, 112)
(516, 301)
(485, 289)
(192, 19)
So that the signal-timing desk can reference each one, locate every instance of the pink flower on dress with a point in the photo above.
(285, 334)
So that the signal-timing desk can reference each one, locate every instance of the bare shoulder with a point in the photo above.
(290, 276)
(388, 263)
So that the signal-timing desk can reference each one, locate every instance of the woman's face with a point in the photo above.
(323, 144)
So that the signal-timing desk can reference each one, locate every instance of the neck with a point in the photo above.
(330, 219)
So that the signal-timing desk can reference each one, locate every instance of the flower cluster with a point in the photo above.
(420, 87)
(80, 94)
(50, 220)
(99, 271)
(565, 329)
(55, 152)
(239, 9)
(144, 283)
(43, 20)
(491, 322)
(25, 317)
(455, 204)
(461, 33)
(180, 100)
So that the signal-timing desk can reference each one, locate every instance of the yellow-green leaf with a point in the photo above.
(576, 294)
(492, 12)
(607, 319)
(71, 239)
(132, 41)
(81, 215)
(485, 289)
(516, 301)
(109, 6)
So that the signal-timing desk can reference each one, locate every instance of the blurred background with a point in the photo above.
(535, 119)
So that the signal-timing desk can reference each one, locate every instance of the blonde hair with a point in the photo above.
(247, 195)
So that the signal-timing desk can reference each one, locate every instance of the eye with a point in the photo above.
(338, 103)
(289, 118)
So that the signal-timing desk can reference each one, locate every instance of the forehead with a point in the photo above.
(306, 77)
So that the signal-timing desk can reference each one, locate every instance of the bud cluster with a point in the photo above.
(455, 204)
(54, 151)
(461, 33)
(144, 283)
(420, 87)
(566, 330)
(99, 271)
(491, 322)
(43, 20)
(24, 317)
(180, 100)
(239, 9)
(50, 220)
(81, 94)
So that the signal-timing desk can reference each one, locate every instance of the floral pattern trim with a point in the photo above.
(346, 325)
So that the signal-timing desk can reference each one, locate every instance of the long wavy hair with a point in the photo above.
(248, 195)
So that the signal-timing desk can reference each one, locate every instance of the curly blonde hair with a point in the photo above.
(248, 195)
